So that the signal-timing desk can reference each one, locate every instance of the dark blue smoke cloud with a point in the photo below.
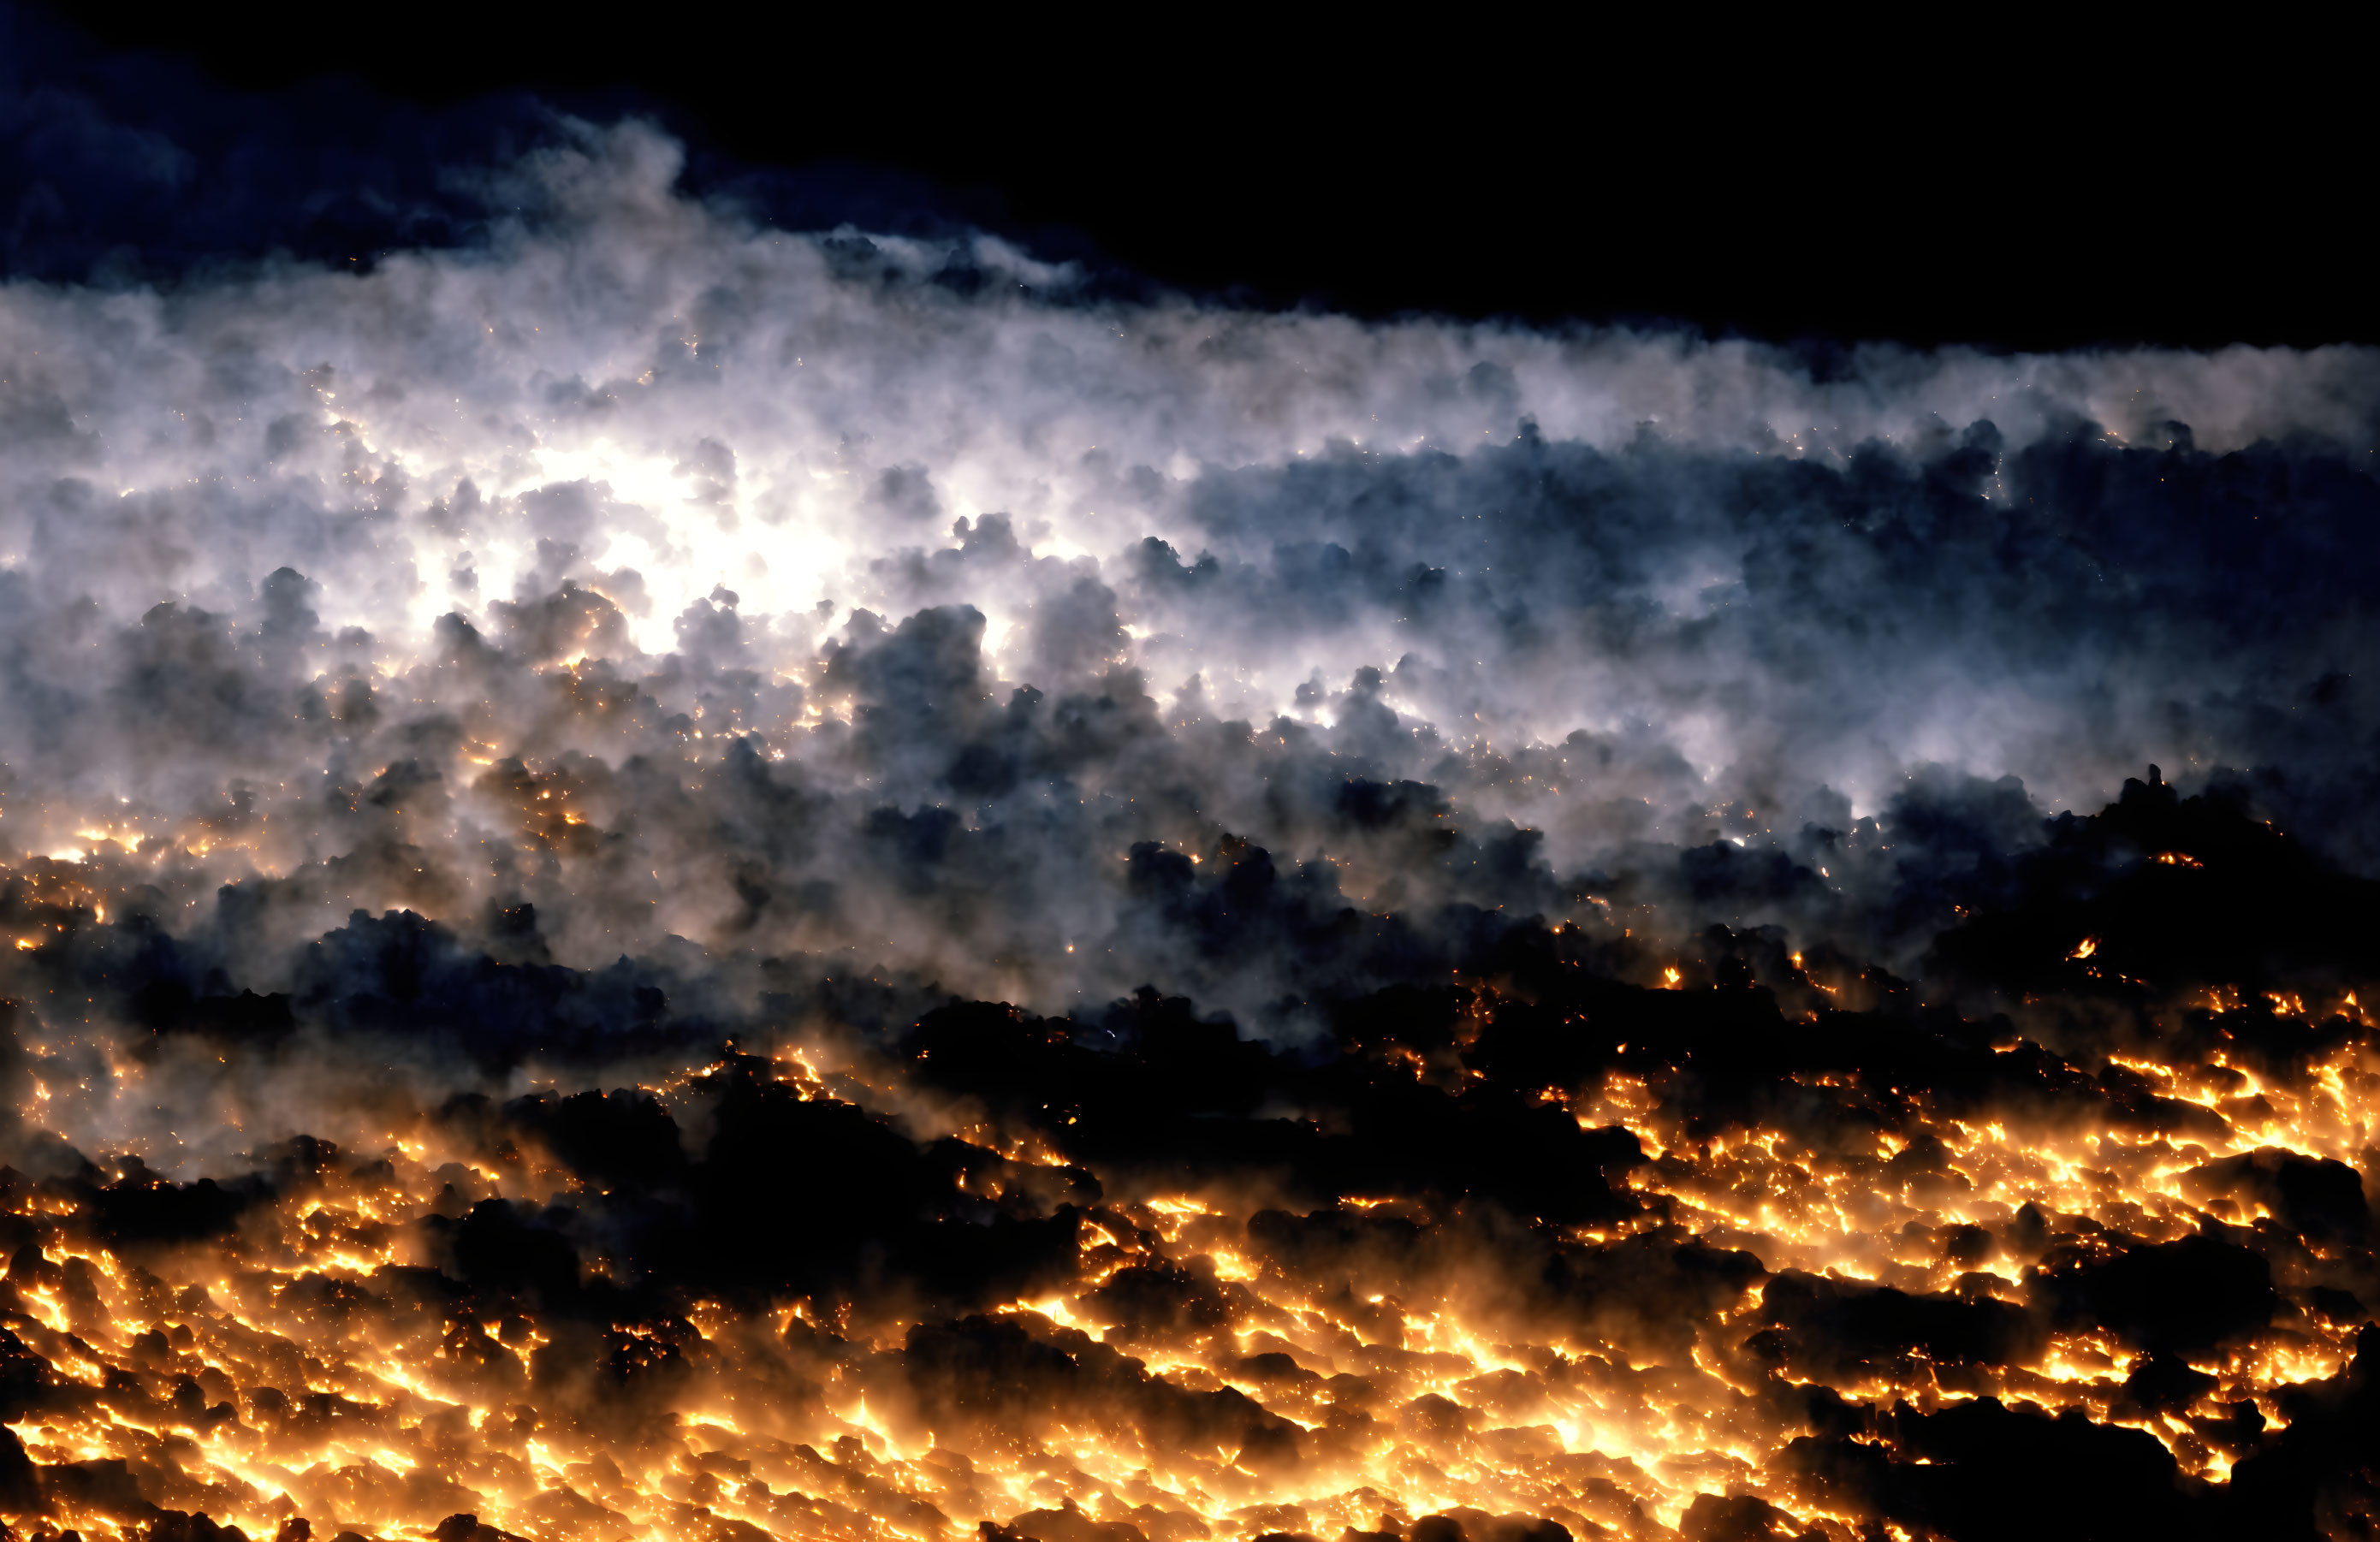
(122, 166)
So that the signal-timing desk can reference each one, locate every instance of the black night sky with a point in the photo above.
(2072, 186)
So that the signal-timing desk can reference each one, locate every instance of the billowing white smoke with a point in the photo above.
(677, 576)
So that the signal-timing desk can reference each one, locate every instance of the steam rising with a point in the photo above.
(1545, 971)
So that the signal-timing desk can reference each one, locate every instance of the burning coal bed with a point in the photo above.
(1585, 1238)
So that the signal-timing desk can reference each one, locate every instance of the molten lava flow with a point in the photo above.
(1538, 1248)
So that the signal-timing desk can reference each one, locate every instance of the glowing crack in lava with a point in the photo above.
(675, 881)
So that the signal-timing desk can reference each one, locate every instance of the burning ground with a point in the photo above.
(1565, 1230)
(675, 881)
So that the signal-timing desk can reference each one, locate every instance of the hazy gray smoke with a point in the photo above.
(653, 820)
(872, 601)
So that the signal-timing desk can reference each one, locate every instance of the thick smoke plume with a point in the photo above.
(675, 879)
